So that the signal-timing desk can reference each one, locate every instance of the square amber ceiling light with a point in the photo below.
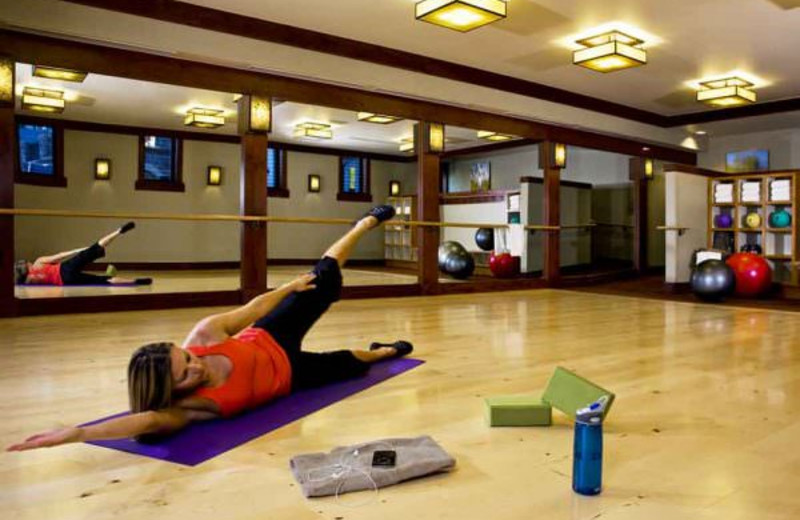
(43, 100)
(60, 74)
(313, 130)
(461, 15)
(609, 52)
(493, 136)
(726, 92)
(381, 119)
(204, 118)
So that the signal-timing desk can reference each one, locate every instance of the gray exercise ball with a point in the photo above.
(459, 265)
(713, 280)
(446, 249)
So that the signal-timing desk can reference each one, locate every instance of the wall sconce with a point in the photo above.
(6, 80)
(43, 100)
(394, 188)
(314, 183)
(553, 156)
(102, 169)
(435, 138)
(75, 76)
(648, 169)
(255, 114)
(214, 177)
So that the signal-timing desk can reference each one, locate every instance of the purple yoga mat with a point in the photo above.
(204, 440)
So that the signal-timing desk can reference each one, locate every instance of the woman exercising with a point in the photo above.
(66, 268)
(228, 363)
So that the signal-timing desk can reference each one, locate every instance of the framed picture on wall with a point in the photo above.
(747, 161)
(480, 177)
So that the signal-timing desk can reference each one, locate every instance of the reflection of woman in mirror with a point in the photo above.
(66, 268)
(240, 359)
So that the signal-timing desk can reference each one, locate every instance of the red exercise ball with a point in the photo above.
(503, 265)
(753, 273)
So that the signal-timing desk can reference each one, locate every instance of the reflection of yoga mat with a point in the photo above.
(85, 285)
(204, 440)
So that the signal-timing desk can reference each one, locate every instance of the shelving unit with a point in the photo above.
(741, 198)
(400, 243)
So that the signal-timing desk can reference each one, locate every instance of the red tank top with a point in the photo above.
(260, 373)
(44, 274)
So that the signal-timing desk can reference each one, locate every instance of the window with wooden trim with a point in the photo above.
(276, 173)
(39, 157)
(354, 179)
(160, 161)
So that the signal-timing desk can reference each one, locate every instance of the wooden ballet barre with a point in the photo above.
(579, 226)
(229, 218)
(681, 230)
(540, 227)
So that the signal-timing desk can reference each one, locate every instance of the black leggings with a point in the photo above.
(289, 322)
(72, 270)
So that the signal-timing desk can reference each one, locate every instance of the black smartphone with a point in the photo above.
(384, 458)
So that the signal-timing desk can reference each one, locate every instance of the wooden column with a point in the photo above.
(552, 208)
(253, 201)
(8, 142)
(637, 168)
(428, 186)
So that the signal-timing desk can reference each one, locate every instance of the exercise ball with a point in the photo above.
(446, 249)
(503, 265)
(723, 220)
(712, 280)
(752, 220)
(751, 248)
(753, 273)
(484, 238)
(780, 219)
(459, 265)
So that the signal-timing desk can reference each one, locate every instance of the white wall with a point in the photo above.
(179, 241)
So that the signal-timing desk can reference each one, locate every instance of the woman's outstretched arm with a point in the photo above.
(158, 422)
(58, 257)
(219, 327)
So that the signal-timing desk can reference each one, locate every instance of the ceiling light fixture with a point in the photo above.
(610, 51)
(726, 92)
(204, 117)
(75, 76)
(381, 119)
(313, 130)
(461, 15)
(43, 100)
(493, 136)
(407, 144)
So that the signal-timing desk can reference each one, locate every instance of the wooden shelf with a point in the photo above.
(723, 230)
(779, 230)
(778, 257)
(725, 204)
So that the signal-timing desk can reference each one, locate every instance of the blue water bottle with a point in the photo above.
(587, 457)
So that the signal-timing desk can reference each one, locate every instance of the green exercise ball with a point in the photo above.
(780, 219)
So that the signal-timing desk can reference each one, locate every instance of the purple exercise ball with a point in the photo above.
(723, 220)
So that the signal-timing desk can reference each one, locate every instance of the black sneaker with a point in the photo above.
(143, 281)
(402, 348)
(383, 213)
(127, 227)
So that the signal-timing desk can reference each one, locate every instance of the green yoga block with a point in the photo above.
(517, 410)
(568, 392)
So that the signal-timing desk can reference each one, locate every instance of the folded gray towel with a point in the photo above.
(349, 468)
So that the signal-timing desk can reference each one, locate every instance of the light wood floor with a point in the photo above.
(705, 425)
(215, 280)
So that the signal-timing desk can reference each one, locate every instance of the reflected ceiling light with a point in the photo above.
(313, 130)
(493, 136)
(60, 74)
(6, 79)
(610, 51)
(43, 100)
(204, 117)
(726, 92)
(381, 119)
(407, 144)
(461, 15)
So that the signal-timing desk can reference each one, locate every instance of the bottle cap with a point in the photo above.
(593, 413)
